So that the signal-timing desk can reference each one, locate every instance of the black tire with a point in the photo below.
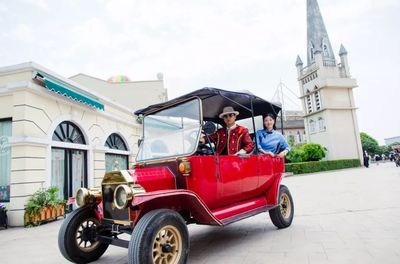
(282, 215)
(160, 236)
(77, 249)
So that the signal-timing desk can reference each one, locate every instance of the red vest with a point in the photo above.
(237, 139)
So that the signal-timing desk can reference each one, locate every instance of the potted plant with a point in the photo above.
(44, 205)
(55, 205)
(3, 215)
(33, 208)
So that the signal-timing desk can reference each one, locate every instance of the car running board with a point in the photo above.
(238, 211)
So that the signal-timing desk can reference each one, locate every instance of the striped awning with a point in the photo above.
(69, 91)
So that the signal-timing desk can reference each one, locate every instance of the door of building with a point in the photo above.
(68, 171)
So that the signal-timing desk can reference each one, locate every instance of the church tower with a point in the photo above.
(326, 92)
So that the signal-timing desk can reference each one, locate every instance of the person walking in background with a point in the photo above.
(377, 158)
(366, 159)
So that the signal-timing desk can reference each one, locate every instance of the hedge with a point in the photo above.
(325, 165)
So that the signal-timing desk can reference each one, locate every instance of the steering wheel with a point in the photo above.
(205, 149)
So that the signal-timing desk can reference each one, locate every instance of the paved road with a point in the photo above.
(347, 216)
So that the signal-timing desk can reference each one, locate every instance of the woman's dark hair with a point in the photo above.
(273, 117)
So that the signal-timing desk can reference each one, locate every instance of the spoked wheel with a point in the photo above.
(282, 215)
(77, 238)
(160, 237)
(86, 234)
(167, 245)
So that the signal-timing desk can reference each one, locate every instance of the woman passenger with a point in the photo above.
(269, 141)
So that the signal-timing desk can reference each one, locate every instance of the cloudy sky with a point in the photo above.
(229, 44)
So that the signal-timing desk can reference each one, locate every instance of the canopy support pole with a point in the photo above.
(254, 124)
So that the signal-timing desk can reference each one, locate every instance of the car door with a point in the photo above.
(265, 169)
(238, 177)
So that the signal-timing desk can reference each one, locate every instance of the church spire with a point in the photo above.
(317, 36)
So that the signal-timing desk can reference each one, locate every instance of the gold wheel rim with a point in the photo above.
(167, 246)
(285, 206)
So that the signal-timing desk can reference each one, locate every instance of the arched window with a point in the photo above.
(299, 136)
(116, 161)
(114, 141)
(312, 126)
(321, 124)
(68, 132)
(68, 164)
(309, 104)
(317, 101)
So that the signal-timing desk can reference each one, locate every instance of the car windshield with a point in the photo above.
(171, 132)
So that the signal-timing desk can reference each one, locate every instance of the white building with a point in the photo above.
(326, 90)
(392, 140)
(67, 133)
(130, 94)
(293, 126)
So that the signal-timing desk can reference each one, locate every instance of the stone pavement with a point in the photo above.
(346, 216)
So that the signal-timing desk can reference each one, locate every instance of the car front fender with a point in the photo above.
(178, 200)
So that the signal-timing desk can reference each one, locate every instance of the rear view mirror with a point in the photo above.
(209, 128)
(139, 142)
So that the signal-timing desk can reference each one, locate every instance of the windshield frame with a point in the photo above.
(175, 156)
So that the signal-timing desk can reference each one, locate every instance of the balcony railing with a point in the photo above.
(309, 68)
(329, 63)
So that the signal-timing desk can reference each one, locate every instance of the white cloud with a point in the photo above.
(121, 11)
(23, 32)
(41, 4)
(193, 39)
(232, 44)
(3, 7)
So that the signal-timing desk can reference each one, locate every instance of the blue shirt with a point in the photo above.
(271, 140)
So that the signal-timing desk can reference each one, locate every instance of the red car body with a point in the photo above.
(218, 191)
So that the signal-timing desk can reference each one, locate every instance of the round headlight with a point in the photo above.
(122, 195)
(81, 197)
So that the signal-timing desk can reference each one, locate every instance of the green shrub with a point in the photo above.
(305, 152)
(317, 166)
(42, 198)
(313, 152)
(295, 155)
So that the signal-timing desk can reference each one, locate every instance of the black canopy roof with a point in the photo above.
(214, 100)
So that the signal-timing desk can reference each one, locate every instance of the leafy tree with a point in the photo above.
(385, 150)
(370, 144)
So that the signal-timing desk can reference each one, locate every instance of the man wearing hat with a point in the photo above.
(232, 139)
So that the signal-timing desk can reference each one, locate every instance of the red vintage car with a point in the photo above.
(178, 181)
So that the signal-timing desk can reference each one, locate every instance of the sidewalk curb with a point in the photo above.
(291, 174)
